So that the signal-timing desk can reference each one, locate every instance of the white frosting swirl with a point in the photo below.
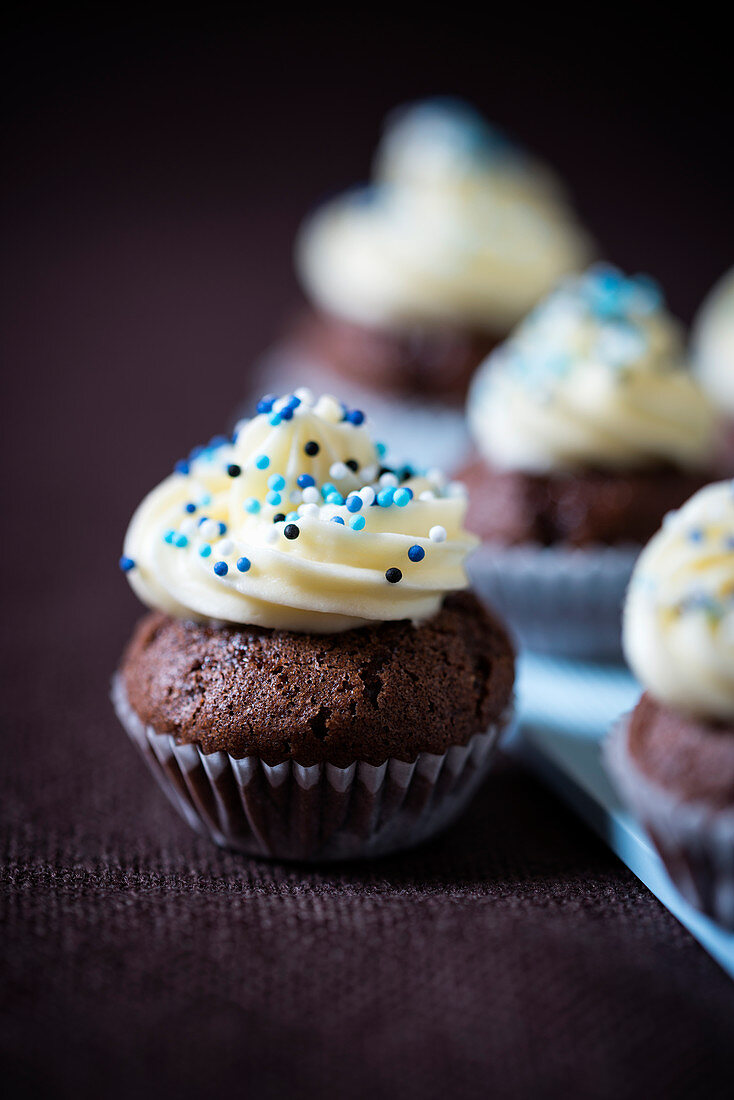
(457, 227)
(679, 614)
(594, 376)
(713, 343)
(206, 544)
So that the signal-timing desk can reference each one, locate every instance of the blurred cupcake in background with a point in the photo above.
(589, 428)
(673, 756)
(713, 356)
(415, 276)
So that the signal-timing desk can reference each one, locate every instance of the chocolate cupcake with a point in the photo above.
(414, 277)
(314, 682)
(673, 756)
(590, 428)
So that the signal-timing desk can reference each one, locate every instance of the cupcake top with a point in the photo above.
(679, 615)
(594, 377)
(457, 227)
(296, 523)
(713, 343)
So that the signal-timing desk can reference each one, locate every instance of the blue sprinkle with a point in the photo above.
(205, 551)
(251, 505)
(355, 417)
(335, 498)
(218, 441)
(169, 537)
(729, 542)
(356, 523)
(243, 564)
(286, 413)
(196, 452)
(220, 568)
(189, 508)
(291, 517)
(206, 499)
(222, 528)
(385, 497)
(304, 481)
(276, 482)
(696, 535)
(275, 420)
(354, 502)
(337, 519)
(293, 401)
(265, 404)
(272, 497)
(180, 541)
(262, 462)
(402, 497)
(126, 563)
(182, 466)
(203, 520)
(416, 553)
(381, 449)
(327, 488)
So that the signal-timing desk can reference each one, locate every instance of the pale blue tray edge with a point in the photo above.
(566, 708)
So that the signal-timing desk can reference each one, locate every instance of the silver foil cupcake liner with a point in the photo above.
(315, 813)
(560, 600)
(694, 841)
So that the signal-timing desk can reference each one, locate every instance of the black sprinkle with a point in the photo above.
(311, 448)
(234, 470)
(291, 531)
(393, 575)
(386, 470)
(352, 465)
(278, 517)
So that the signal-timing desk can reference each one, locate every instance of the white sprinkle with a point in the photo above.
(189, 526)
(389, 481)
(456, 489)
(437, 534)
(310, 509)
(438, 477)
(295, 496)
(369, 473)
(209, 529)
(338, 469)
(328, 408)
(304, 394)
(367, 494)
(427, 495)
(224, 548)
(311, 495)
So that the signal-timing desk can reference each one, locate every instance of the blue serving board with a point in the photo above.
(566, 708)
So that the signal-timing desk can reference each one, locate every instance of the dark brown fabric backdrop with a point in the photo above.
(155, 181)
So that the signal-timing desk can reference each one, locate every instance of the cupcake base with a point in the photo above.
(555, 599)
(318, 813)
(694, 840)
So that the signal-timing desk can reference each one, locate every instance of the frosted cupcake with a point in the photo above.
(414, 277)
(673, 757)
(713, 356)
(314, 681)
(589, 428)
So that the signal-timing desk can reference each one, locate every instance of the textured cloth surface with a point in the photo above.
(146, 262)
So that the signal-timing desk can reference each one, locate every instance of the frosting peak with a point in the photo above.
(457, 227)
(295, 524)
(594, 376)
(679, 614)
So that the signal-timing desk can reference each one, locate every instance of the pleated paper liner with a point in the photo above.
(315, 813)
